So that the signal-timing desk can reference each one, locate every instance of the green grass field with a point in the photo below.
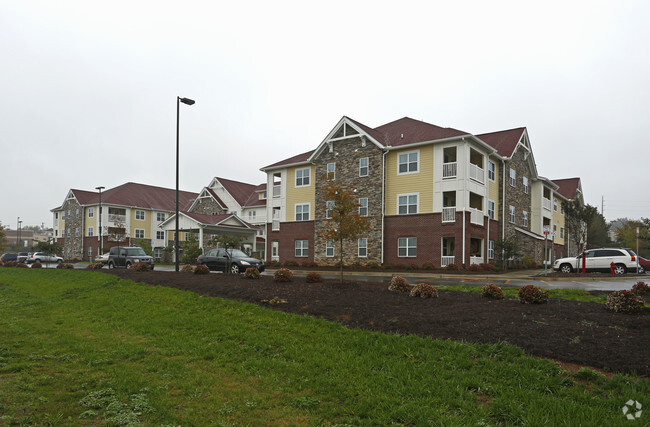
(86, 348)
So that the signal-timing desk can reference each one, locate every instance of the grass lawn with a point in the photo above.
(86, 348)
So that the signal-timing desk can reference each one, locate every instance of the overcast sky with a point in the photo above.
(89, 89)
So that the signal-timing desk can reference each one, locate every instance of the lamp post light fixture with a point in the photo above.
(100, 188)
(186, 101)
(19, 241)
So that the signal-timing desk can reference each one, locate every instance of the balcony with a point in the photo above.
(449, 214)
(449, 170)
(122, 218)
(277, 191)
(446, 260)
(476, 216)
(476, 260)
(546, 203)
(476, 173)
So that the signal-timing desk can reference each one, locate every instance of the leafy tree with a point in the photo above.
(145, 245)
(191, 249)
(50, 247)
(227, 242)
(345, 223)
(598, 232)
(3, 236)
(576, 219)
(505, 249)
(626, 235)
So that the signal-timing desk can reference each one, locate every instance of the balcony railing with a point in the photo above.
(475, 260)
(446, 260)
(122, 218)
(546, 203)
(276, 225)
(277, 191)
(476, 216)
(449, 170)
(449, 214)
(476, 173)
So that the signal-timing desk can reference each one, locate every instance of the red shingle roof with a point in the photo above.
(244, 194)
(407, 131)
(504, 141)
(568, 187)
(300, 158)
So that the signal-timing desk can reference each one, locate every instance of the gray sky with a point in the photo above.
(89, 89)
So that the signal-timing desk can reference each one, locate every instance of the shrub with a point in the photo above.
(387, 266)
(290, 264)
(486, 266)
(624, 302)
(11, 264)
(641, 288)
(373, 265)
(283, 275)
(201, 269)
(474, 267)
(531, 294)
(141, 266)
(37, 265)
(313, 277)
(428, 266)
(452, 267)
(399, 284)
(273, 264)
(21, 265)
(187, 268)
(252, 273)
(308, 264)
(95, 266)
(492, 291)
(424, 290)
(64, 266)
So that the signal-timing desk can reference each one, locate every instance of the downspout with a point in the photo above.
(465, 197)
(383, 202)
(487, 244)
(503, 207)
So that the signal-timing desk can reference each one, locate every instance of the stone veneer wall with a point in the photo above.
(515, 196)
(208, 206)
(346, 154)
(73, 245)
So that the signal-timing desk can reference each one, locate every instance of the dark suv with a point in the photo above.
(217, 259)
(9, 257)
(125, 256)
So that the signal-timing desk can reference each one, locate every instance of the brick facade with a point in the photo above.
(286, 237)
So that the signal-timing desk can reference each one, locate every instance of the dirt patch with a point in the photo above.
(573, 332)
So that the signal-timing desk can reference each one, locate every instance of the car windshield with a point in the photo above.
(135, 252)
(236, 253)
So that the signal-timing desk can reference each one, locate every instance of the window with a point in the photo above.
(302, 177)
(275, 248)
(68, 212)
(407, 162)
(555, 204)
(160, 235)
(363, 166)
(139, 215)
(76, 231)
(562, 208)
(524, 219)
(187, 236)
(363, 206)
(525, 180)
(513, 177)
(77, 212)
(302, 212)
(554, 229)
(329, 205)
(91, 231)
(491, 170)
(407, 204)
(90, 251)
(139, 233)
(490, 249)
(363, 247)
(561, 232)
(407, 247)
(329, 248)
(302, 248)
(251, 215)
(491, 205)
(160, 216)
(63, 215)
(512, 214)
(56, 215)
(331, 171)
(91, 212)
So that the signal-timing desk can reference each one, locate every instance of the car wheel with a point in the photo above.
(37, 260)
(127, 265)
(59, 261)
(111, 265)
(620, 269)
(234, 269)
(566, 268)
(641, 270)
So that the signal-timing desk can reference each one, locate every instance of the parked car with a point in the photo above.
(23, 257)
(217, 260)
(644, 265)
(42, 257)
(125, 256)
(102, 258)
(8, 257)
(599, 260)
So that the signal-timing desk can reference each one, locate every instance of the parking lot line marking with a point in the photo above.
(507, 281)
(550, 284)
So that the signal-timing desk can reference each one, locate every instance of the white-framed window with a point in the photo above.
(56, 215)
(160, 216)
(555, 229)
(251, 215)
(561, 232)
(562, 208)
(329, 205)
(91, 212)
(91, 231)
(362, 247)
(512, 214)
(555, 204)
(187, 236)
(407, 247)
(524, 218)
(90, 251)
(363, 206)
(63, 215)
(329, 248)
(363, 166)
(139, 215)
(69, 212)
(490, 249)
(139, 233)
(407, 203)
(492, 169)
(160, 235)
(302, 212)
(77, 212)
(408, 162)
(513, 177)
(302, 177)
(275, 249)
(302, 248)
(331, 171)
(525, 181)
(63, 233)
(76, 231)
(491, 207)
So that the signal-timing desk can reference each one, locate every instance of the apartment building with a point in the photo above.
(431, 194)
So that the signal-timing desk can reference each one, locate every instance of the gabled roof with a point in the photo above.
(254, 198)
(295, 160)
(244, 194)
(225, 220)
(407, 131)
(568, 187)
(504, 141)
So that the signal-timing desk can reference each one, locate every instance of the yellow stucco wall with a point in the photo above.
(142, 224)
(420, 182)
(300, 195)
(91, 222)
(558, 219)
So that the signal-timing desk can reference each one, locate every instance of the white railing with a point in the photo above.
(476, 216)
(546, 203)
(122, 218)
(277, 191)
(449, 214)
(276, 225)
(475, 260)
(446, 260)
(449, 170)
(476, 173)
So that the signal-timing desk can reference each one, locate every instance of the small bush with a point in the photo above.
(252, 273)
(424, 290)
(313, 277)
(187, 268)
(624, 302)
(412, 266)
(96, 266)
(399, 284)
(474, 267)
(37, 265)
(308, 264)
(201, 269)
(641, 288)
(64, 266)
(11, 264)
(492, 291)
(531, 294)
(486, 266)
(283, 275)
(141, 266)
(388, 266)
(428, 266)
(373, 265)
(21, 265)
(290, 264)
(452, 267)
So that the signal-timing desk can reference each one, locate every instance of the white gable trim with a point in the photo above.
(329, 138)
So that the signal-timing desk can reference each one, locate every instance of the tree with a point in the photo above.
(191, 249)
(49, 247)
(576, 219)
(626, 235)
(227, 241)
(145, 245)
(505, 249)
(598, 232)
(2, 237)
(344, 221)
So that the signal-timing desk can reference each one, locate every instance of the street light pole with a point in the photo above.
(19, 241)
(100, 188)
(185, 101)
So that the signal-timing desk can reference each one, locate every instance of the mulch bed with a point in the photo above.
(572, 332)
